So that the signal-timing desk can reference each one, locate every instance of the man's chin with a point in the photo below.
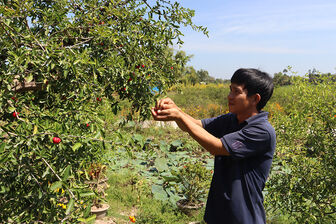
(231, 110)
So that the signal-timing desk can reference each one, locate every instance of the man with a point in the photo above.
(243, 143)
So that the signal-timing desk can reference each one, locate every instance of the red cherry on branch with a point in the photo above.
(99, 99)
(143, 66)
(15, 114)
(87, 125)
(56, 140)
(172, 68)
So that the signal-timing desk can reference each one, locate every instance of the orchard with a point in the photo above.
(60, 62)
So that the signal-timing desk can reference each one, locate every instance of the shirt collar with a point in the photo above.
(263, 115)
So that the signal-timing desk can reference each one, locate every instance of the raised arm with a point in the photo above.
(167, 111)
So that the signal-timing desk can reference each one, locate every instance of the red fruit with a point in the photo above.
(87, 125)
(143, 66)
(15, 114)
(138, 66)
(172, 67)
(14, 98)
(130, 79)
(56, 140)
(99, 99)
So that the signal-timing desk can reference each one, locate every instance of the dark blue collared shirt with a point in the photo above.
(235, 195)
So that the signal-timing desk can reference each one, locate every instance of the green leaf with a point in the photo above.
(161, 164)
(137, 138)
(29, 78)
(40, 194)
(168, 177)
(2, 147)
(56, 185)
(66, 172)
(45, 172)
(35, 130)
(177, 143)
(84, 195)
(98, 135)
(159, 193)
(91, 218)
(76, 146)
(11, 109)
(70, 206)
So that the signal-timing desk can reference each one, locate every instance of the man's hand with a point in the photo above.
(165, 101)
(166, 110)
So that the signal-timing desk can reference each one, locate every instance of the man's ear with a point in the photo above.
(257, 98)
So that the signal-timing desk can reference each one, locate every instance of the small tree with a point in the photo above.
(61, 61)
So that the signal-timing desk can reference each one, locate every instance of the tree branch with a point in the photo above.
(72, 195)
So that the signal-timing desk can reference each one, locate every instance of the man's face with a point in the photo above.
(239, 102)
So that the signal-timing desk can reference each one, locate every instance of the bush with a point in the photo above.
(195, 180)
(302, 182)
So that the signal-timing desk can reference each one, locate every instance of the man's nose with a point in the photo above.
(230, 96)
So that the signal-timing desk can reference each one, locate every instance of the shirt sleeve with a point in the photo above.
(247, 142)
(215, 125)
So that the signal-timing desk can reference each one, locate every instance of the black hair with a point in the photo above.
(254, 82)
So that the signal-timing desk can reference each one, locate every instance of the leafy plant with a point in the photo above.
(302, 182)
(195, 180)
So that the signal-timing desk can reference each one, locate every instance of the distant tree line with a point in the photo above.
(192, 76)
(314, 76)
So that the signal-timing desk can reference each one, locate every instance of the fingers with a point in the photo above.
(163, 115)
(154, 112)
(161, 103)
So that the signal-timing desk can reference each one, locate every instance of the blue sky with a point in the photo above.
(265, 34)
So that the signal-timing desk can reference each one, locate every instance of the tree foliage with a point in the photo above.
(60, 62)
